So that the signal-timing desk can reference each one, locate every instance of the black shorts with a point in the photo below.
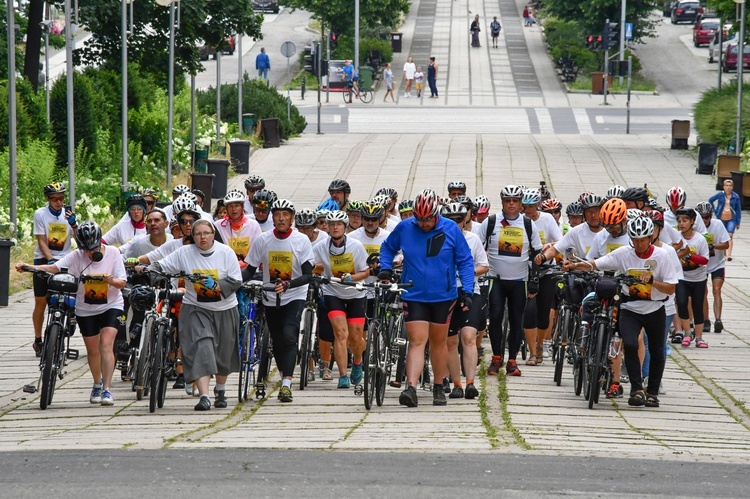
(352, 309)
(474, 317)
(718, 273)
(93, 324)
(40, 283)
(325, 330)
(436, 312)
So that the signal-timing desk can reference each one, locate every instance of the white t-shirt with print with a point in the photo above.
(508, 251)
(604, 243)
(372, 246)
(662, 267)
(350, 259)
(669, 235)
(281, 259)
(95, 297)
(580, 238)
(140, 245)
(669, 305)
(549, 231)
(671, 219)
(165, 250)
(267, 225)
(56, 230)
(716, 234)
(698, 246)
(478, 254)
(239, 241)
(122, 233)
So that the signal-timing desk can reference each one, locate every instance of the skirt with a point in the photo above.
(475, 39)
(209, 341)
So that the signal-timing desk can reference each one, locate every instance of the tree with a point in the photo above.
(591, 14)
(33, 42)
(4, 41)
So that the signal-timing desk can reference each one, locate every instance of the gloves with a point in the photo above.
(72, 220)
(346, 278)
(385, 275)
(711, 251)
(210, 283)
(465, 300)
(51, 262)
(131, 262)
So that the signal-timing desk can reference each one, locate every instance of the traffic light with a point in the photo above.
(591, 42)
(334, 39)
(610, 35)
(323, 67)
(310, 58)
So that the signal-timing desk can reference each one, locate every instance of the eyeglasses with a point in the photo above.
(187, 221)
(57, 199)
(150, 203)
(424, 219)
(370, 219)
(202, 234)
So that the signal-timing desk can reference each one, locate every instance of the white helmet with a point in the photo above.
(184, 204)
(615, 191)
(511, 191)
(531, 196)
(338, 216)
(180, 189)
(234, 196)
(640, 227)
(454, 210)
(282, 204)
(633, 213)
(305, 218)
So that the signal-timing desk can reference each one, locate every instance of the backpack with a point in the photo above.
(492, 221)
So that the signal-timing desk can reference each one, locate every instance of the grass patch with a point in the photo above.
(640, 84)
(503, 398)
(484, 410)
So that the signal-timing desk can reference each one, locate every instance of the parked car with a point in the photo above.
(207, 51)
(686, 11)
(265, 6)
(704, 31)
(730, 58)
(713, 45)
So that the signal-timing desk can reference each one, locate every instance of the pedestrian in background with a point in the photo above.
(728, 209)
(495, 31)
(388, 77)
(418, 78)
(527, 19)
(432, 72)
(409, 69)
(475, 29)
(262, 64)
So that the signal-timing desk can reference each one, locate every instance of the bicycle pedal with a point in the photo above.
(260, 391)
(359, 390)
(29, 388)
(71, 354)
(399, 342)
(427, 387)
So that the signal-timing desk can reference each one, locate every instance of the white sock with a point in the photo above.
(219, 387)
(286, 382)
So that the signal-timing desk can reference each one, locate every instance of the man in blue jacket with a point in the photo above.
(262, 64)
(434, 250)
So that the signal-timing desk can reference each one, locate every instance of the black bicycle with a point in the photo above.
(309, 328)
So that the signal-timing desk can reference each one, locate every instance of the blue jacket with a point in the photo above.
(262, 61)
(430, 259)
(718, 200)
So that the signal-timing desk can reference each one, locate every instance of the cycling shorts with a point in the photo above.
(93, 324)
(40, 283)
(325, 330)
(352, 309)
(436, 312)
(475, 317)
(718, 274)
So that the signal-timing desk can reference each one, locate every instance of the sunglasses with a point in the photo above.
(424, 219)
(187, 221)
(370, 219)
(150, 203)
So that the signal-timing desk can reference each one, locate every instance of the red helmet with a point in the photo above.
(551, 204)
(426, 204)
(676, 197)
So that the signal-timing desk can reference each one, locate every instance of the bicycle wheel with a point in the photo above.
(252, 360)
(143, 363)
(578, 375)
(370, 362)
(383, 372)
(559, 345)
(304, 351)
(245, 335)
(156, 372)
(264, 345)
(365, 96)
(595, 369)
(346, 94)
(165, 368)
(51, 356)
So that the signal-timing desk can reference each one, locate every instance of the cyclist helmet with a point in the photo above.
(321, 214)
(234, 196)
(387, 191)
(405, 206)
(676, 197)
(591, 201)
(544, 192)
(264, 199)
(141, 298)
(574, 209)
(329, 204)
(482, 204)
(282, 204)
(340, 185)
(457, 185)
(135, 200)
(372, 209)
(634, 194)
(454, 210)
(54, 188)
(184, 204)
(655, 217)
(615, 191)
(583, 195)
(382, 200)
(192, 197)
(199, 193)
(687, 212)
(255, 182)
(464, 200)
(531, 196)
(338, 216)
(511, 191)
(426, 204)
(305, 218)
(704, 208)
(551, 204)
(354, 206)
(180, 189)
(613, 212)
(89, 235)
(640, 227)
(634, 213)
(153, 193)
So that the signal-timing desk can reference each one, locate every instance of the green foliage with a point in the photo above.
(374, 14)
(345, 49)
(715, 114)
(591, 15)
(36, 168)
(86, 116)
(22, 119)
(34, 107)
(566, 39)
(4, 41)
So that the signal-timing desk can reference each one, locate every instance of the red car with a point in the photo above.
(730, 58)
(704, 31)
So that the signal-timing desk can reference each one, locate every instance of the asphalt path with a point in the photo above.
(321, 474)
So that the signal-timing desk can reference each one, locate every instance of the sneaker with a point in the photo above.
(356, 375)
(624, 378)
(707, 326)
(221, 399)
(96, 394)
(677, 338)
(718, 326)
(438, 395)
(204, 404)
(179, 382)
(447, 385)
(285, 394)
(195, 392)
(457, 393)
(547, 349)
(471, 391)
(344, 382)
(189, 389)
(495, 365)
(37, 346)
(615, 391)
(107, 398)
(408, 397)
(511, 368)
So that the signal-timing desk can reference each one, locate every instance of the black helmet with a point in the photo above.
(141, 298)
(635, 194)
(199, 193)
(254, 181)
(264, 196)
(388, 191)
(89, 235)
(340, 185)
(135, 200)
(54, 188)
(464, 200)
(686, 212)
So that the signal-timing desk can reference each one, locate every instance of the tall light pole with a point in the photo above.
(11, 19)
(69, 34)
(239, 83)
(124, 103)
(356, 36)
(622, 35)
(740, 58)
(170, 87)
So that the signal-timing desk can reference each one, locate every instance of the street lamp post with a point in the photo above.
(124, 103)
(356, 36)
(239, 83)
(740, 57)
(170, 86)
(69, 34)
(12, 110)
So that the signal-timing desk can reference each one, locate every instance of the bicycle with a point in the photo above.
(309, 328)
(265, 350)
(61, 325)
(365, 95)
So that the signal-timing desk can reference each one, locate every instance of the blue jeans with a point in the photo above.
(729, 225)
(647, 358)
(263, 73)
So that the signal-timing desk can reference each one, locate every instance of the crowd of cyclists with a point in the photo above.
(472, 273)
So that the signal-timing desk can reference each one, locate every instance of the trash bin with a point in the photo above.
(680, 134)
(220, 168)
(597, 82)
(726, 164)
(239, 151)
(5, 245)
(365, 77)
(204, 182)
(248, 123)
(739, 180)
(271, 133)
(201, 155)
(707, 152)
(396, 39)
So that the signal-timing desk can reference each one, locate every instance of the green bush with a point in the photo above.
(715, 114)
(567, 39)
(86, 116)
(345, 49)
(23, 124)
(36, 168)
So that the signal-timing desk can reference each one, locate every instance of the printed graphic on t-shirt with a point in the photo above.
(709, 238)
(240, 246)
(57, 234)
(372, 248)
(510, 241)
(641, 290)
(280, 265)
(541, 237)
(611, 247)
(95, 292)
(204, 294)
(689, 264)
(341, 264)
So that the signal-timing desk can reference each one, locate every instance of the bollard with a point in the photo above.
(5, 245)
(302, 87)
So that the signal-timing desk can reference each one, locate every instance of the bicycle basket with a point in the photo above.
(606, 287)
(62, 283)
